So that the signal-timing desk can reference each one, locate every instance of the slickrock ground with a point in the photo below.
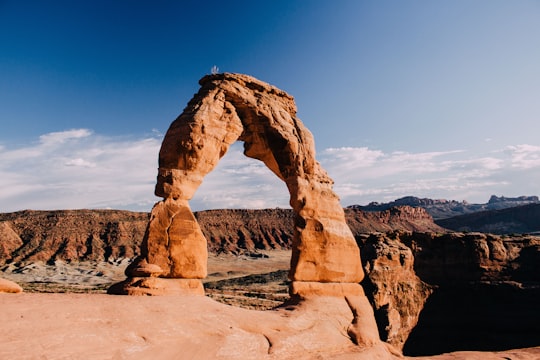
(187, 327)
(92, 326)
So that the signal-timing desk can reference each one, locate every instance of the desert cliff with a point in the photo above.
(417, 278)
(102, 235)
(482, 287)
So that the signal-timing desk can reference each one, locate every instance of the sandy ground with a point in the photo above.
(99, 275)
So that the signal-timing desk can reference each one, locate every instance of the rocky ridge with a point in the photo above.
(442, 208)
(482, 285)
(517, 220)
(70, 235)
(111, 235)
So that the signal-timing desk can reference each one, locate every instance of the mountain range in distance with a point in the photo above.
(444, 209)
(500, 215)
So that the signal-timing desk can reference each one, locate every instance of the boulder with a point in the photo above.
(8, 286)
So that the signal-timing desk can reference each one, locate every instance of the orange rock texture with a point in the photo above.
(230, 108)
(8, 286)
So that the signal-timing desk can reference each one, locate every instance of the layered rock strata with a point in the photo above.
(396, 293)
(115, 235)
(484, 290)
(229, 108)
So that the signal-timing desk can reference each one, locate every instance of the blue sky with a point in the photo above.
(427, 98)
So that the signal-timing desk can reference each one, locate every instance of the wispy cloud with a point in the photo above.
(80, 169)
(524, 156)
(458, 174)
(55, 138)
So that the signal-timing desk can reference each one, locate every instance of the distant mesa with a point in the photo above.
(113, 235)
(520, 199)
(522, 219)
(443, 209)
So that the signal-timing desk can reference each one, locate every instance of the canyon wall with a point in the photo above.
(432, 291)
(101, 235)
(485, 291)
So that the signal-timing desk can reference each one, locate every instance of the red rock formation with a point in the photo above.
(231, 107)
(107, 235)
(235, 231)
(397, 294)
(396, 218)
(70, 235)
(8, 286)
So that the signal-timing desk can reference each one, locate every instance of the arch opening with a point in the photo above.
(228, 108)
(240, 182)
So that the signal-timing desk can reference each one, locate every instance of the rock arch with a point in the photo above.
(227, 108)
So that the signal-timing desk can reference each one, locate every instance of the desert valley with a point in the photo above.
(316, 281)
(273, 180)
(433, 290)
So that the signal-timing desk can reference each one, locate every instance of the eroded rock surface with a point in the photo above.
(115, 235)
(70, 235)
(8, 286)
(229, 108)
(486, 290)
(396, 293)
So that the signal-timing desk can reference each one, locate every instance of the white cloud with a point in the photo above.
(79, 162)
(458, 174)
(240, 182)
(60, 137)
(81, 169)
(524, 156)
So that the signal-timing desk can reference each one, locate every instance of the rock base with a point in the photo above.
(154, 286)
(346, 297)
(8, 286)
(305, 289)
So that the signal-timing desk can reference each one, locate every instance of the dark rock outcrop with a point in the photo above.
(396, 293)
(443, 209)
(517, 220)
(486, 292)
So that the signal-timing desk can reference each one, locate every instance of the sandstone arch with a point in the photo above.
(230, 107)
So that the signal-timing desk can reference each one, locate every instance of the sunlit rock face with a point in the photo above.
(8, 286)
(230, 108)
